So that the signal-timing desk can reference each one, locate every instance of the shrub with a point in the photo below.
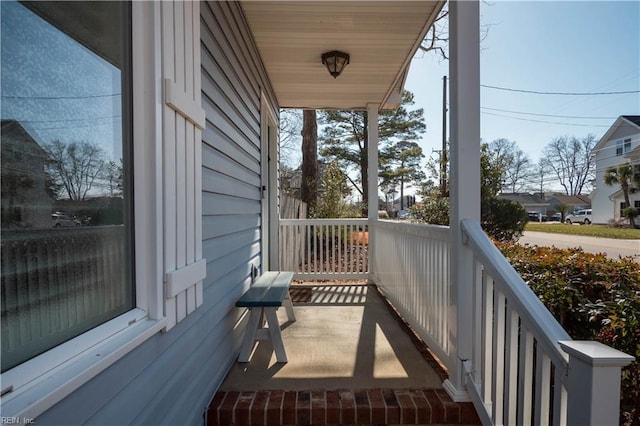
(592, 297)
(434, 210)
(503, 220)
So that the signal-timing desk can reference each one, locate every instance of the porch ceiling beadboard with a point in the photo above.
(380, 37)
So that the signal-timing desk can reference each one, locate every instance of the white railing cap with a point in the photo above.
(596, 353)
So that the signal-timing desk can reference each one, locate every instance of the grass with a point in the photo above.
(585, 230)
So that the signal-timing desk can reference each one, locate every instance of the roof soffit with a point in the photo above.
(381, 38)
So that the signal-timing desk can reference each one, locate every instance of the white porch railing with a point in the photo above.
(325, 248)
(524, 368)
(411, 265)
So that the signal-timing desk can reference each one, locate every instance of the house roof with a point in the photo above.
(629, 120)
(380, 37)
(571, 199)
(14, 135)
(524, 198)
(635, 119)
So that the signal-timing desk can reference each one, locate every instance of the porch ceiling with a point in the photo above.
(380, 36)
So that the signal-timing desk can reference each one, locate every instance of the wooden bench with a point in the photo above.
(263, 299)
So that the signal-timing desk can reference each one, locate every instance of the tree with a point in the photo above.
(492, 170)
(540, 171)
(331, 202)
(75, 166)
(345, 138)
(290, 127)
(114, 177)
(517, 164)
(503, 220)
(572, 160)
(629, 182)
(309, 184)
(563, 209)
(400, 164)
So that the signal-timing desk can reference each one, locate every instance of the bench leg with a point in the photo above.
(255, 321)
(288, 305)
(275, 333)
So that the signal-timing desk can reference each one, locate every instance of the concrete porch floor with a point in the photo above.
(348, 353)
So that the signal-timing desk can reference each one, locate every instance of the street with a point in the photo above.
(612, 247)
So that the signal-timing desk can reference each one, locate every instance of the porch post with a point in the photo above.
(372, 172)
(594, 382)
(464, 73)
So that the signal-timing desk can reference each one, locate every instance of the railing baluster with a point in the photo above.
(477, 354)
(542, 386)
(498, 357)
(487, 325)
(559, 397)
(511, 367)
(525, 374)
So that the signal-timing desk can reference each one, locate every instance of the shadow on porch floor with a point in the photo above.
(351, 361)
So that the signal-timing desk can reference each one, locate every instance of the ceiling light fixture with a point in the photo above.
(335, 61)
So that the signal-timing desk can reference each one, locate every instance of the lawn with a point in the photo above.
(585, 230)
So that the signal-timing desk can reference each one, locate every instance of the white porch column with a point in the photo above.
(464, 73)
(372, 173)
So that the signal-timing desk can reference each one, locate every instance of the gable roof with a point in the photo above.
(571, 199)
(635, 119)
(15, 136)
(380, 37)
(629, 120)
(523, 198)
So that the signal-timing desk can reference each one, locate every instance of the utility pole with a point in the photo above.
(443, 154)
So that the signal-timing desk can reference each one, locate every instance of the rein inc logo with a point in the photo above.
(14, 420)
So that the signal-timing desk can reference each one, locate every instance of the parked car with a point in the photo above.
(537, 217)
(404, 214)
(583, 217)
(556, 217)
(59, 219)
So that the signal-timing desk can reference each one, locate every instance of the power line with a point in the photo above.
(61, 97)
(69, 119)
(547, 122)
(550, 115)
(535, 92)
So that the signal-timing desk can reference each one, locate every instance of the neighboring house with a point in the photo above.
(25, 202)
(575, 202)
(530, 202)
(619, 145)
(188, 94)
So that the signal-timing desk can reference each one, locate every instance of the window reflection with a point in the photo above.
(66, 233)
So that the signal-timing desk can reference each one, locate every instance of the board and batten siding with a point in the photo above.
(171, 377)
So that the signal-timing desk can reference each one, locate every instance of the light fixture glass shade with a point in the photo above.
(335, 61)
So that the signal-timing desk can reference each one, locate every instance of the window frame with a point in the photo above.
(31, 388)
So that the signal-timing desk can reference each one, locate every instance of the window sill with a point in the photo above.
(34, 396)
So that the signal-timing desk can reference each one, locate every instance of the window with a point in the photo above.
(623, 146)
(66, 230)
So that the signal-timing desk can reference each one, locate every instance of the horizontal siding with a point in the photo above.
(172, 376)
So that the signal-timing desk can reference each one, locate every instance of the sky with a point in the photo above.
(57, 88)
(544, 46)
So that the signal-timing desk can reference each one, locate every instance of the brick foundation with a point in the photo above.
(342, 407)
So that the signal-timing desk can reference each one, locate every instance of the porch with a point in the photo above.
(519, 366)
(352, 360)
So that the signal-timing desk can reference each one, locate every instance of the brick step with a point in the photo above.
(341, 407)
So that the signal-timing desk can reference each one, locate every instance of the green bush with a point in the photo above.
(592, 297)
(433, 210)
(503, 220)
